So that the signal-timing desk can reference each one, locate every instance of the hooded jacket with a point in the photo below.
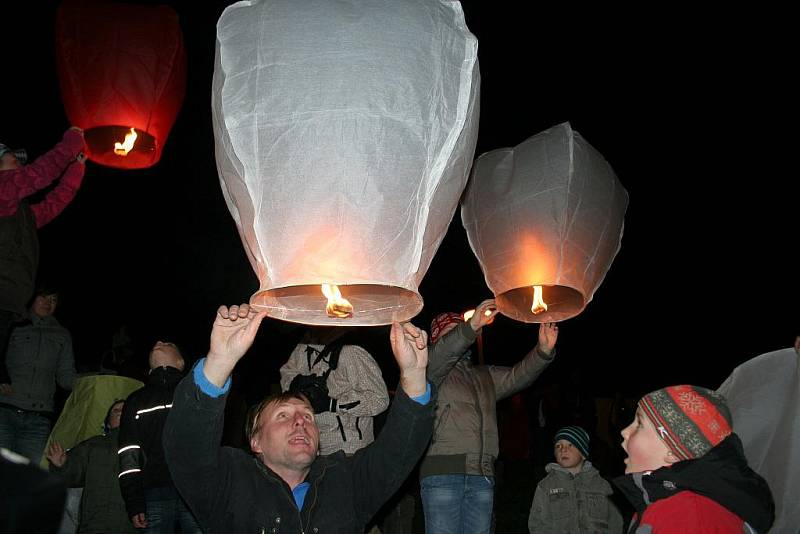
(573, 504)
(717, 492)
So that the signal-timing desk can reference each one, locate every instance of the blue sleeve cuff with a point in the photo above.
(425, 398)
(207, 387)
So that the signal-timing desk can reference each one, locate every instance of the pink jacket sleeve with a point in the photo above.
(61, 195)
(17, 184)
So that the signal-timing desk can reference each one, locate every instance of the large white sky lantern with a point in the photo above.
(344, 132)
(545, 220)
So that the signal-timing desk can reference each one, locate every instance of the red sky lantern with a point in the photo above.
(122, 70)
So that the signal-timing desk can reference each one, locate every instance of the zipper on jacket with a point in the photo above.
(314, 502)
(472, 377)
(32, 385)
(441, 420)
(290, 496)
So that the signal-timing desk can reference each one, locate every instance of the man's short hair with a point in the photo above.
(252, 424)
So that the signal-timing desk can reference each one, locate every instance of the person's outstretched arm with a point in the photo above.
(508, 381)
(447, 350)
(70, 466)
(232, 336)
(61, 195)
(193, 430)
(19, 183)
(381, 467)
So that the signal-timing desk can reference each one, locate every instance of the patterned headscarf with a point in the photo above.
(442, 320)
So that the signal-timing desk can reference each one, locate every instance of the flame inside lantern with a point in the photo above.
(337, 306)
(538, 305)
(122, 149)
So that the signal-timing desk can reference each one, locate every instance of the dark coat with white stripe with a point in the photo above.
(141, 456)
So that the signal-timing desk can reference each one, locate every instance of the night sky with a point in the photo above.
(692, 110)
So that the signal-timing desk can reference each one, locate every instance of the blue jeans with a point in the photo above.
(458, 504)
(166, 510)
(24, 432)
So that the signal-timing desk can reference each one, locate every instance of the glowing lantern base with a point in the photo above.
(561, 304)
(373, 304)
(100, 147)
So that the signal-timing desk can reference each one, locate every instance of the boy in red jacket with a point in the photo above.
(19, 243)
(686, 470)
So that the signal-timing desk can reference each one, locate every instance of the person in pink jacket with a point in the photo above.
(19, 221)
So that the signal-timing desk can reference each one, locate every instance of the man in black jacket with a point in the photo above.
(150, 496)
(287, 486)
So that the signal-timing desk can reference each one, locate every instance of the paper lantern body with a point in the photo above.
(121, 66)
(344, 137)
(547, 212)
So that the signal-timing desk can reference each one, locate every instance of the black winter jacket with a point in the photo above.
(141, 456)
(229, 490)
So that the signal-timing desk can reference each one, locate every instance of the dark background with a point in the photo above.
(693, 110)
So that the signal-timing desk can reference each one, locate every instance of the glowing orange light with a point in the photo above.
(538, 305)
(122, 149)
(337, 306)
(469, 313)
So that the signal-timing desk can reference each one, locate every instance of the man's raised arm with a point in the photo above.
(231, 337)
(193, 430)
(382, 466)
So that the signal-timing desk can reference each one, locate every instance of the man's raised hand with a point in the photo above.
(410, 348)
(231, 336)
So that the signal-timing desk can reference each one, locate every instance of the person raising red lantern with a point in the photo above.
(19, 243)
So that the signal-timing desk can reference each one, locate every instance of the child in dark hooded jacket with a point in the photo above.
(686, 470)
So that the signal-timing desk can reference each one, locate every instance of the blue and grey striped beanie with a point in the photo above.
(577, 436)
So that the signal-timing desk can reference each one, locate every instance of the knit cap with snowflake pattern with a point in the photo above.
(689, 419)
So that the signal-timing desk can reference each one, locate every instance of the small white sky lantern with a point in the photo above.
(545, 220)
(344, 136)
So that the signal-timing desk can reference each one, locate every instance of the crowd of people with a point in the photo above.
(314, 461)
